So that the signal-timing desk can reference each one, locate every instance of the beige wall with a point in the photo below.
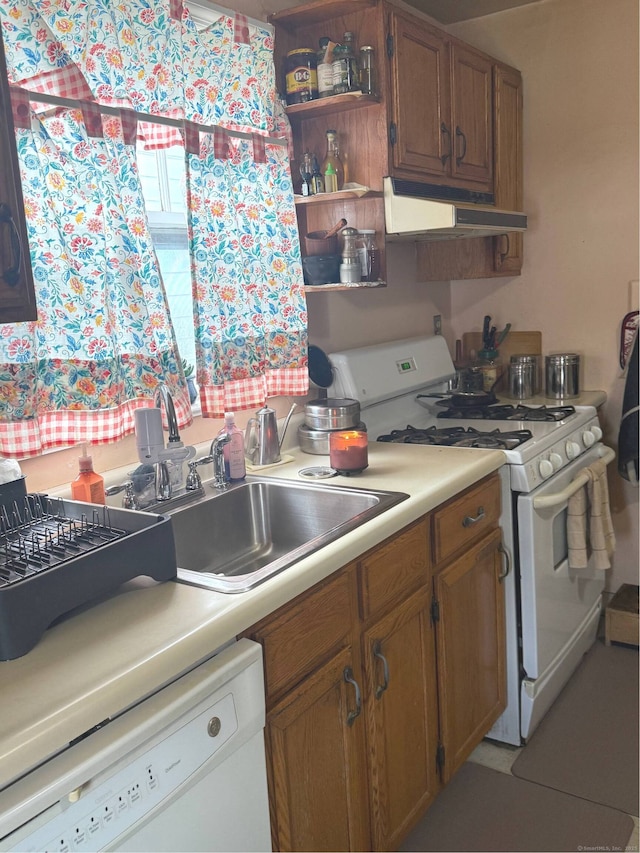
(579, 60)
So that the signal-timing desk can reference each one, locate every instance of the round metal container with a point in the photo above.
(332, 413)
(316, 441)
(534, 361)
(521, 380)
(562, 375)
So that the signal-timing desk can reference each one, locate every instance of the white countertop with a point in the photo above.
(106, 657)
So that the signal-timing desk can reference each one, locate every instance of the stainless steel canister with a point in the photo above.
(524, 375)
(562, 375)
(521, 380)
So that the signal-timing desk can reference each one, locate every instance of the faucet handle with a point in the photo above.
(129, 501)
(194, 481)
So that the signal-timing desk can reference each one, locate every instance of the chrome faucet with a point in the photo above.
(216, 455)
(216, 451)
(164, 397)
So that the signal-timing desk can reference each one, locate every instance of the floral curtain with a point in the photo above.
(249, 306)
(103, 340)
(147, 58)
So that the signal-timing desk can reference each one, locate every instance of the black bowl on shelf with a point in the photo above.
(321, 269)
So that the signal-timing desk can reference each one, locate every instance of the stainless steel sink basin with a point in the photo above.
(232, 541)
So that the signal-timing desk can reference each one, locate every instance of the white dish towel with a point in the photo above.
(589, 525)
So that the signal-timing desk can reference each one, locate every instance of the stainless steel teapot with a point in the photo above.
(261, 442)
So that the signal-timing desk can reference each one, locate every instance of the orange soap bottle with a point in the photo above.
(87, 486)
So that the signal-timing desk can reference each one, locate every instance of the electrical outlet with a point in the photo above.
(437, 324)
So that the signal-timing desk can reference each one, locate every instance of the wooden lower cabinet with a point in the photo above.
(402, 718)
(470, 643)
(366, 690)
(315, 737)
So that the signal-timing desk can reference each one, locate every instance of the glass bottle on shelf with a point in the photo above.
(332, 158)
(306, 172)
(317, 181)
(367, 71)
(368, 255)
(325, 68)
(345, 66)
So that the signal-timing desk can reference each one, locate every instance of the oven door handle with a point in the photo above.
(560, 498)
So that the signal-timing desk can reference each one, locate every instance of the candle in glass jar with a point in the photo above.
(348, 452)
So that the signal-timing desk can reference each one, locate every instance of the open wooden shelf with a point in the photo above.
(331, 105)
(356, 285)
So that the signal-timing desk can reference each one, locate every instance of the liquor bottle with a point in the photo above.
(317, 181)
(306, 169)
(332, 158)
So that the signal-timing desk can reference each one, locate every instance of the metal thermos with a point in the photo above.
(562, 375)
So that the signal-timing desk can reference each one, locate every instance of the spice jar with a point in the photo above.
(301, 75)
(348, 451)
(368, 254)
(490, 364)
(367, 71)
(350, 269)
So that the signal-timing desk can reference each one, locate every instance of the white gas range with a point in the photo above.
(552, 611)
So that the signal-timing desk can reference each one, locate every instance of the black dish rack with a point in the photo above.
(58, 554)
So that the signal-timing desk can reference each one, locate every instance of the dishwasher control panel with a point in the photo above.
(94, 815)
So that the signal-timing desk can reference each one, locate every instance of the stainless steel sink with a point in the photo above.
(232, 541)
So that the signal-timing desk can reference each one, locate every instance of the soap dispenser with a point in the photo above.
(88, 486)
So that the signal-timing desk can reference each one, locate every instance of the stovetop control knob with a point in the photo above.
(546, 469)
(588, 438)
(597, 432)
(556, 461)
(572, 449)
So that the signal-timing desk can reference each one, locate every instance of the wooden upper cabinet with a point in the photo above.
(420, 115)
(489, 257)
(17, 297)
(441, 107)
(471, 125)
(507, 84)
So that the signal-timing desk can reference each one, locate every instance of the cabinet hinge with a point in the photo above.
(435, 610)
(389, 46)
(392, 133)
(440, 758)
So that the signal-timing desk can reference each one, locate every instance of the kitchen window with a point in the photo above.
(162, 175)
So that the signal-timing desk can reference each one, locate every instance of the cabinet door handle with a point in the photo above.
(445, 132)
(348, 677)
(504, 254)
(507, 562)
(12, 274)
(461, 157)
(469, 521)
(377, 652)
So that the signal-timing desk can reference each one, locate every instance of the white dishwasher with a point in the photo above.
(183, 770)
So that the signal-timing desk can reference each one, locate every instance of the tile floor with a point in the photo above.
(502, 757)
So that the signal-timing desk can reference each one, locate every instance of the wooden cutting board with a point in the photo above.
(516, 343)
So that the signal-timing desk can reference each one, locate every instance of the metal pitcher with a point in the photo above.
(261, 442)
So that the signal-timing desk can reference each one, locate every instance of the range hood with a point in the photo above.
(411, 217)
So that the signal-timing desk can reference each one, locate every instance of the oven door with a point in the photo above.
(557, 602)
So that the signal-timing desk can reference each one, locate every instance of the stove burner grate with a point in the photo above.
(508, 412)
(459, 437)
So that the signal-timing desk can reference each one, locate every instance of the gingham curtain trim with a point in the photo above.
(70, 427)
(236, 396)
